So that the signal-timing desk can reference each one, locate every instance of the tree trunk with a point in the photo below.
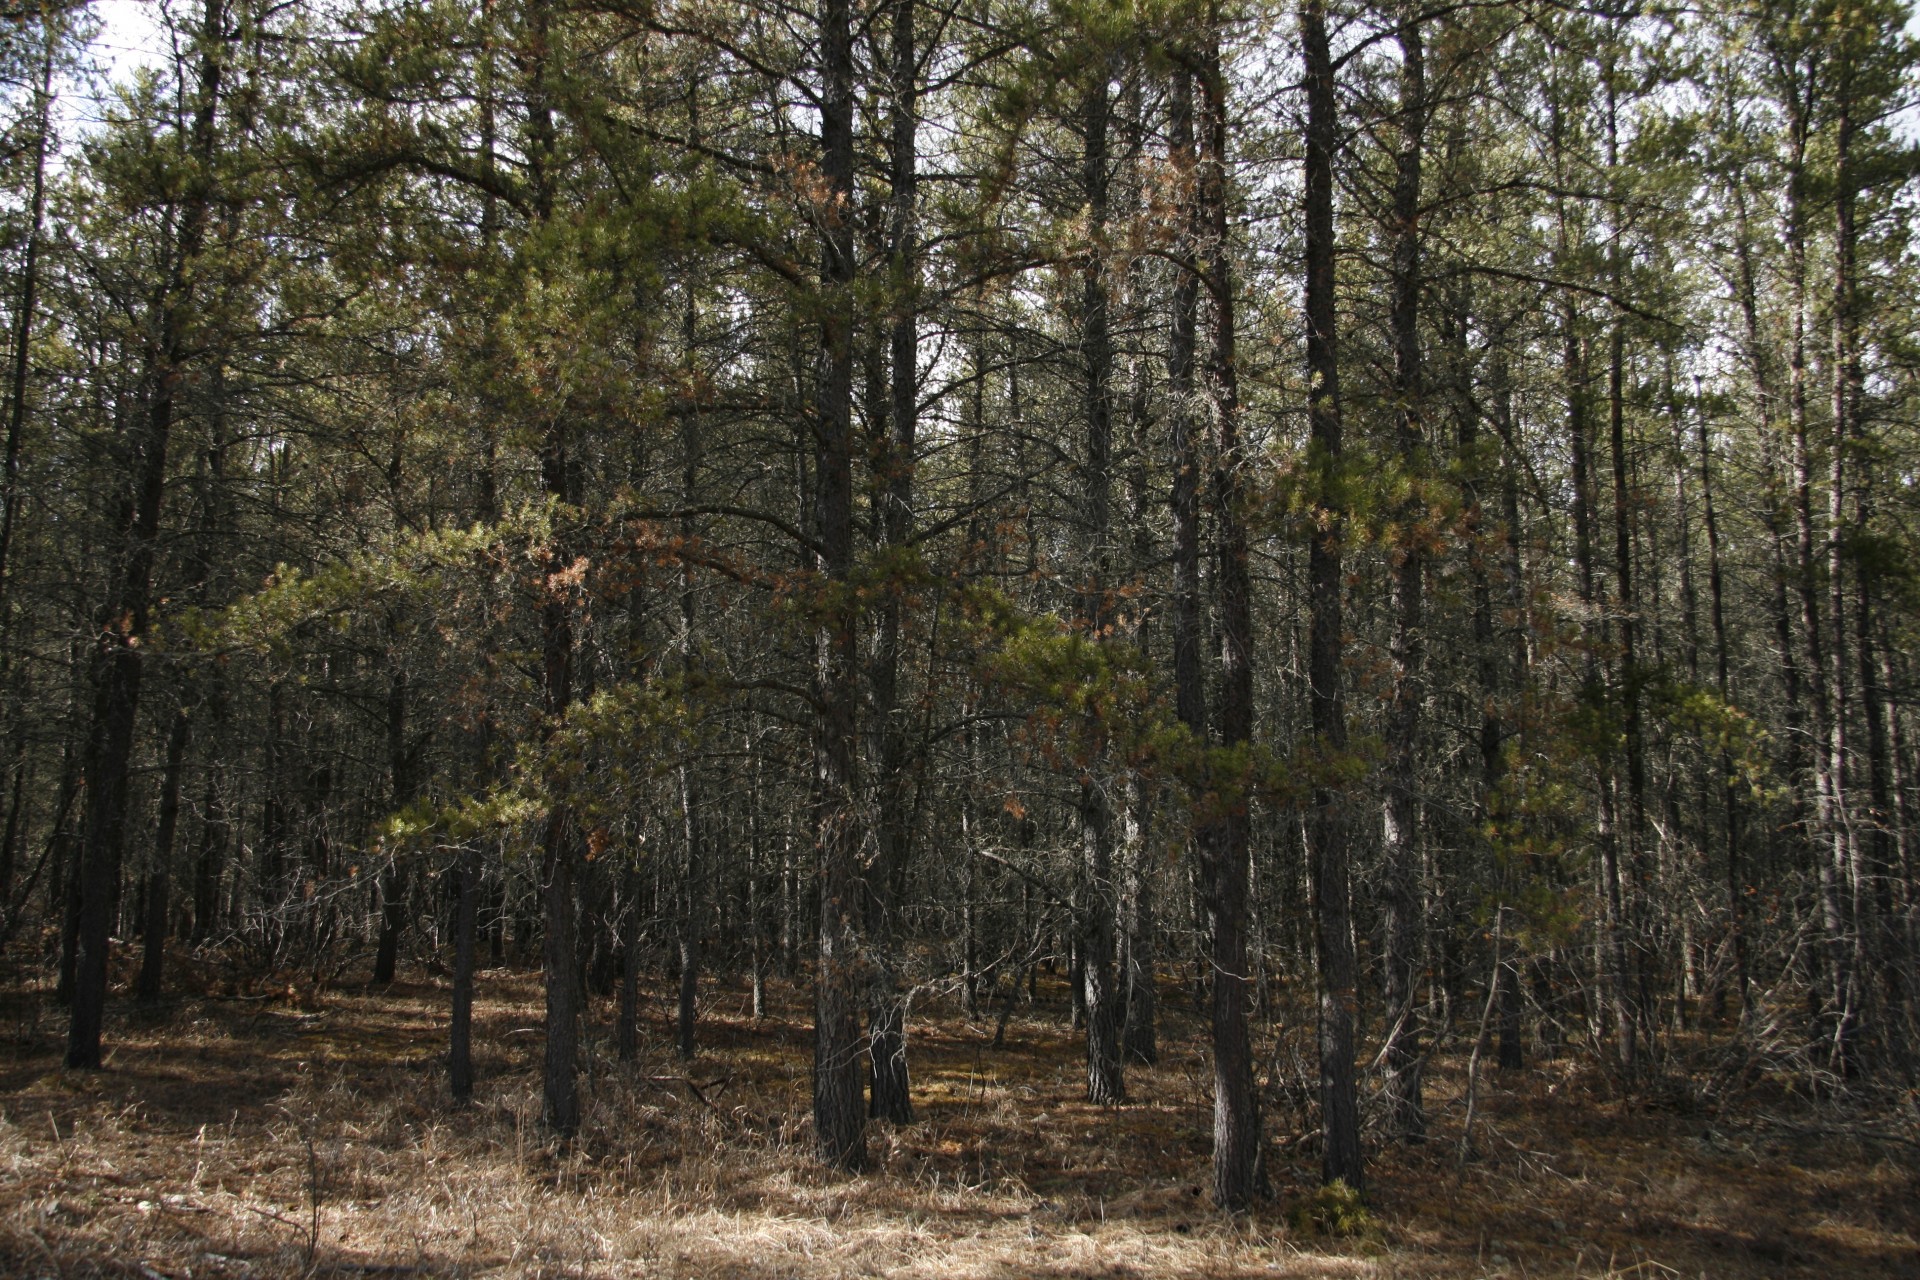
(1632, 875)
(1845, 849)
(693, 828)
(1611, 949)
(1097, 900)
(1826, 816)
(400, 760)
(1400, 853)
(159, 880)
(1225, 837)
(1729, 789)
(1341, 1158)
(839, 1121)
(460, 1032)
(23, 320)
(890, 1092)
(118, 665)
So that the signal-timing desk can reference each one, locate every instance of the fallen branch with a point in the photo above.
(694, 1087)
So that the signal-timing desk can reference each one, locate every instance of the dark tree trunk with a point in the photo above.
(693, 827)
(1341, 1158)
(561, 1087)
(1611, 961)
(1097, 901)
(1400, 814)
(460, 1033)
(890, 1090)
(627, 1025)
(1729, 789)
(393, 877)
(839, 1119)
(560, 855)
(1845, 849)
(1827, 816)
(1632, 876)
(1189, 676)
(159, 879)
(1138, 1035)
(211, 859)
(118, 665)
(1225, 837)
(23, 320)
(693, 873)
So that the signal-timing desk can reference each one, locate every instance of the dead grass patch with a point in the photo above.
(312, 1135)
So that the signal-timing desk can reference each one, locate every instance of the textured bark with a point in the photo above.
(890, 1094)
(559, 852)
(1845, 849)
(1139, 1032)
(693, 826)
(1189, 681)
(1097, 899)
(1328, 837)
(1225, 837)
(1184, 439)
(839, 1120)
(1400, 813)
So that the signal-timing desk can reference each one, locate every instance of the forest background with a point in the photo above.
(1368, 532)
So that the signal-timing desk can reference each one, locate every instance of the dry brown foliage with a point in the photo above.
(295, 1133)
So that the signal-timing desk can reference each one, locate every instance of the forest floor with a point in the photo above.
(299, 1133)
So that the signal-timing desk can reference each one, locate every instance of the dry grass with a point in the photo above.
(312, 1136)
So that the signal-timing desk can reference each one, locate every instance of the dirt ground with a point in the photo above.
(299, 1133)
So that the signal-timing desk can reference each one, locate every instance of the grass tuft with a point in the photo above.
(1333, 1211)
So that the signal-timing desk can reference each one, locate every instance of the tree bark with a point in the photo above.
(400, 762)
(1097, 899)
(1328, 836)
(460, 1031)
(1632, 875)
(159, 879)
(1225, 839)
(890, 1095)
(839, 1120)
(1845, 848)
(1400, 816)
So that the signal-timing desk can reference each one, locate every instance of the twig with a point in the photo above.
(281, 1218)
(313, 1196)
(694, 1087)
(1480, 1038)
